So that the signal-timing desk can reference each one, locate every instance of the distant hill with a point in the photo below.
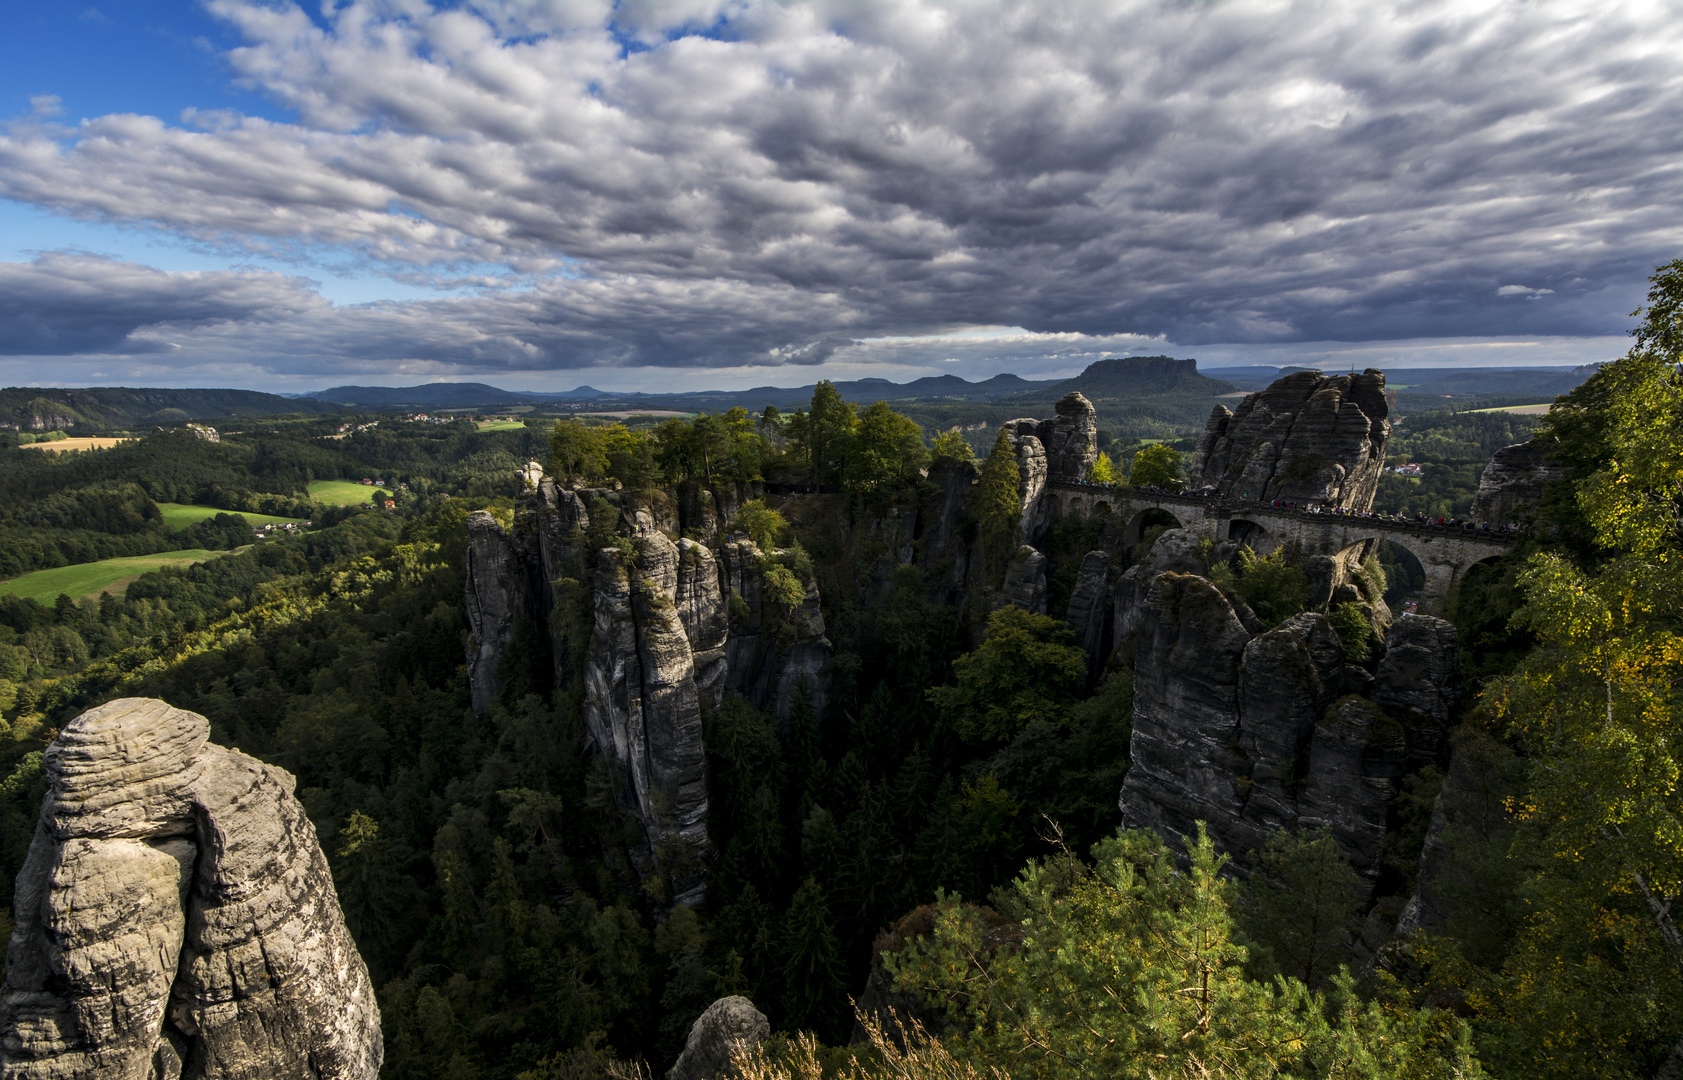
(444, 395)
(119, 408)
(863, 391)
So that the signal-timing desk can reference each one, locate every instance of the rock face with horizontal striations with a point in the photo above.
(1512, 481)
(773, 651)
(1356, 760)
(1175, 549)
(706, 619)
(642, 708)
(1288, 676)
(728, 1023)
(1061, 447)
(175, 917)
(1309, 438)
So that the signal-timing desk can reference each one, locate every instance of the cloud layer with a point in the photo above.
(711, 184)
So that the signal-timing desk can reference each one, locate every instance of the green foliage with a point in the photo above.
(1594, 978)
(1129, 969)
(999, 506)
(1025, 670)
(1453, 449)
(1103, 472)
(885, 452)
(1156, 465)
(1274, 586)
(829, 431)
(780, 586)
(762, 524)
(952, 445)
(1298, 910)
(1355, 631)
(577, 450)
(812, 968)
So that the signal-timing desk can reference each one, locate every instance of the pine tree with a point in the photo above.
(1299, 908)
(1000, 506)
(812, 980)
(800, 752)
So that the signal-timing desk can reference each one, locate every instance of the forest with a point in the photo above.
(949, 825)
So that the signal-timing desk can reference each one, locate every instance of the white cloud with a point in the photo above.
(704, 183)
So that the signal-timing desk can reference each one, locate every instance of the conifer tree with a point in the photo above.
(1299, 908)
(999, 506)
(812, 981)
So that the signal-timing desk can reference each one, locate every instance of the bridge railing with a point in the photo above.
(1230, 506)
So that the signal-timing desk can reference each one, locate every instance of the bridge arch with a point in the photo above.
(1147, 518)
(1252, 534)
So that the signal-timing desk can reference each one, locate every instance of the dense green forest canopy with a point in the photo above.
(957, 800)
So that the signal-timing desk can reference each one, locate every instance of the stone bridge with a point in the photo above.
(1446, 553)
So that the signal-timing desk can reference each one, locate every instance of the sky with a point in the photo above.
(690, 194)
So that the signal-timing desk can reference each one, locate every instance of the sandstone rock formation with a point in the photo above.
(1252, 732)
(729, 1022)
(1308, 437)
(1025, 581)
(1185, 749)
(943, 554)
(1175, 549)
(642, 708)
(706, 619)
(1062, 447)
(1419, 680)
(1513, 480)
(773, 652)
(1087, 609)
(500, 592)
(175, 917)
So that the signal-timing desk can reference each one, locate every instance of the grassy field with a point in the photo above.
(60, 445)
(1520, 410)
(91, 579)
(501, 425)
(342, 492)
(181, 515)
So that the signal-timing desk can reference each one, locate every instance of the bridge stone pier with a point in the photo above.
(1445, 553)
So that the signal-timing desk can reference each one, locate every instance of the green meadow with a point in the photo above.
(106, 575)
(343, 492)
(181, 515)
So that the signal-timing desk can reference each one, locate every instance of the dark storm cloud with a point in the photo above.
(1258, 172)
(63, 305)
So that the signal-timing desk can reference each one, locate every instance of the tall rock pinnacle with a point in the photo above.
(176, 917)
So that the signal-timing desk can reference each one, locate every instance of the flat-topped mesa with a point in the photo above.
(175, 916)
(1308, 438)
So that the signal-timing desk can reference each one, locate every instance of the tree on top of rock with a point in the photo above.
(999, 505)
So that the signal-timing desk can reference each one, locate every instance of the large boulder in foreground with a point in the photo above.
(728, 1022)
(175, 917)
